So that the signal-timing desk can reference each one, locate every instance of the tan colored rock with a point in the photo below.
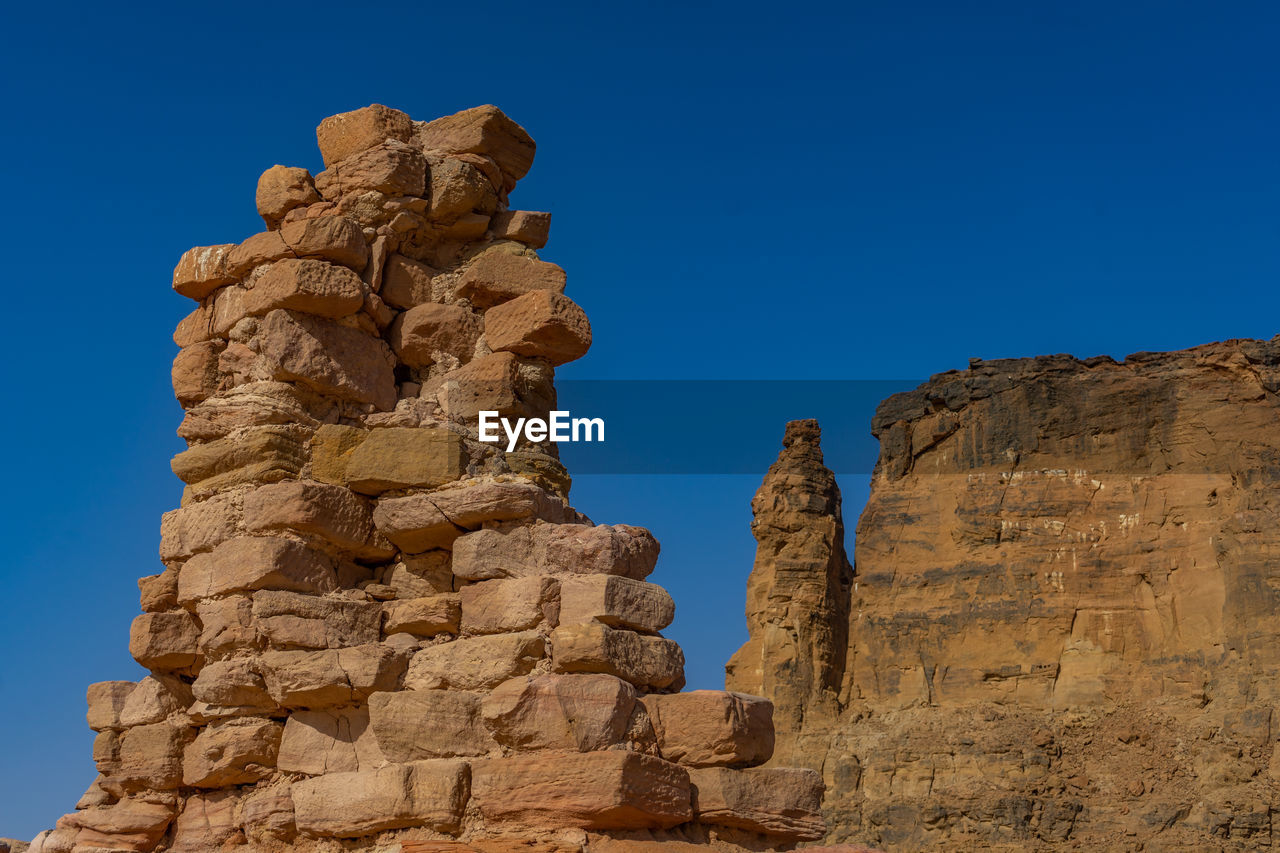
(331, 449)
(495, 277)
(406, 283)
(323, 679)
(233, 752)
(405, 457)
(527, 226)
(495, 383)
(328, 358)
(540, 324)
(423, 617)
(781, 802)
(287, 620)
(390, 167)
(456, 189)
(504, 606)
(417, 724)
(267, 815)
(330, 238)
(154, 700)
(106, 753)
(650, 662)
(593, 790)
(151, 757)
(263, 248)
(421, 333)
(711, 728)
(164, 641)
(349, 805)
(482, 130)
(225, 624)
(340, 136)
(280, 190)
(208, 819)
(565, 712)
(233, 683)
(418, 523)
(106, 699)
(202, 270)
(158, 592)
(195, 327)
(124, 827)
(337, 741)
(319, 509)
(306, 285)
(195, 372)
(556, 549)
(197, 527)
(261, 454)
(255, 562)
(477, 663)
(618, 602)
(419, 575)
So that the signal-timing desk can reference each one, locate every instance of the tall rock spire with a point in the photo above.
(797, 598)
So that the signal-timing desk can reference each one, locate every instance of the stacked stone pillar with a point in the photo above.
(372, 630)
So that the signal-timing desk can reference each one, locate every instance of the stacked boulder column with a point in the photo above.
(373, 631)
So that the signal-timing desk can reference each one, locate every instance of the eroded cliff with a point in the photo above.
(1062, 625)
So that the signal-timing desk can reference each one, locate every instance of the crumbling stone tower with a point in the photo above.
(372, 630)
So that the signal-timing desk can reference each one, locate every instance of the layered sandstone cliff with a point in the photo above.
(1062, 628)
(372, 630)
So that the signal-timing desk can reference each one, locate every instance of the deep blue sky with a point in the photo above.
(740, 190)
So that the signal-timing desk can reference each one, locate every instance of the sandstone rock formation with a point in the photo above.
(1062, 631)
(373, 631)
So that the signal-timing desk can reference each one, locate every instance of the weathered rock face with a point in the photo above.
(1063, 625)
(372, 631)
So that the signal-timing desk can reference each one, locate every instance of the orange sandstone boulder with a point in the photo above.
(280, 190)
(345, 134)
(705, 728)
(540, 324)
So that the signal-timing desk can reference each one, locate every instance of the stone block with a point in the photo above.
(349, 805)
(106, 753)
(106, 700)
(498, 382)
(707, 728)
(252, 563)
(226, 624)
(259, 454)
(154, 700)
(267, 815)
(391, 168)
(340, 136)
(280, 190)
(303, 679)
(503, 606)
(306, 285)
(457, 189)
(151, 757)
(165, 641)
(330, 238)
(337, 741)
(564, 712)
(234, 683)
(423, 617)
(318, 509)
(496, 276)
(195, 372)
(406, 283)
(202, 270)
(208, 820)
(618, 602)
(540, 324)
(417, 724)
(476, 663)
(331, 449)
(654, 663)
(328, 358)
(405, 457)
(289, 620)
(265, 247)
(196, 527)
(557, 549)
(418, 523)
(419, 575)
(780, 802)
(158, 592)
(420, 334)
(592, 790)
(526, 226)
(482, 130)
(128, 826)
(232, 752)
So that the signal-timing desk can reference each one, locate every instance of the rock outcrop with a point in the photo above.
(374, 631)
(1062, 630)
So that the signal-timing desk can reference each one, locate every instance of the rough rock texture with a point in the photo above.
(1062, 632)
(371, 630)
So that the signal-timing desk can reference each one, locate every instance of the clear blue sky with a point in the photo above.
(740, 190)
